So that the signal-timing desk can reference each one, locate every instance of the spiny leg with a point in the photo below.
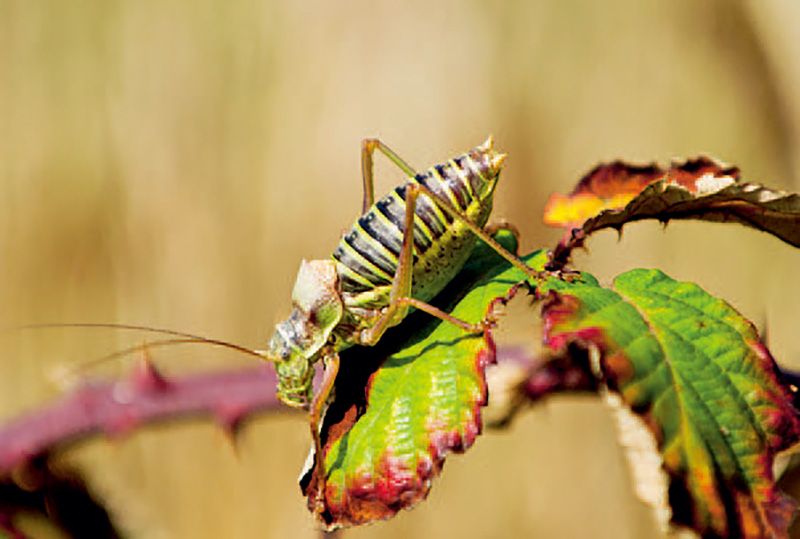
(438, 313)
(331, 363)
(400, 296)
(482, 234)
(401, 286)
(368, 147)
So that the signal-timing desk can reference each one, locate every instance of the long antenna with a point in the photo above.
(184, 338)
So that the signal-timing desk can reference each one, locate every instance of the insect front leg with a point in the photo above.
(331, 364)
(368, 147)
(400, 299)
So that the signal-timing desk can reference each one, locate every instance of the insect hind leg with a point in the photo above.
(484, 235)
(400, 299)
(368, 147)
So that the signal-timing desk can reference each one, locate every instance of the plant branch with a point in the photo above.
(536, 378)
(115, 408)
(119, 407)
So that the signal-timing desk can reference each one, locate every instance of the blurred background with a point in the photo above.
(170, 163)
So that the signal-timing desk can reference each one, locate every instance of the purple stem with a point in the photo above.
(116, 408)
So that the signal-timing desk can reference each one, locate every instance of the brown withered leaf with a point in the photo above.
(699, 189)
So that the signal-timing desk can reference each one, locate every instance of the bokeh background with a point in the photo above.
(171, 162)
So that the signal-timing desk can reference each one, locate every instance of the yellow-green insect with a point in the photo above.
(398, 255)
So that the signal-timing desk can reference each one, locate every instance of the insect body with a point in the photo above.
(347, 299)
(398, 255)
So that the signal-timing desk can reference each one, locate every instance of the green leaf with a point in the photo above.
(696, 372)
(424, 388)
(689, 365)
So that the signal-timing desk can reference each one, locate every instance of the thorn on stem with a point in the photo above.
(146, 378)
(230, 418)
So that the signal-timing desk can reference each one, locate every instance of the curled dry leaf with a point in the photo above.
(615, 194)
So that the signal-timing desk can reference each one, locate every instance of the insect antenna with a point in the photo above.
(179, 338)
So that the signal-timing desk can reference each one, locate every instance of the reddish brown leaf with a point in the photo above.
(697, 189)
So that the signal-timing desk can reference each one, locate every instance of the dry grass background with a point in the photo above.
(171, 162)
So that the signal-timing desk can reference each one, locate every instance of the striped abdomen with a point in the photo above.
(367, 256)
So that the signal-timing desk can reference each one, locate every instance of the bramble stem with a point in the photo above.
(118, 407)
